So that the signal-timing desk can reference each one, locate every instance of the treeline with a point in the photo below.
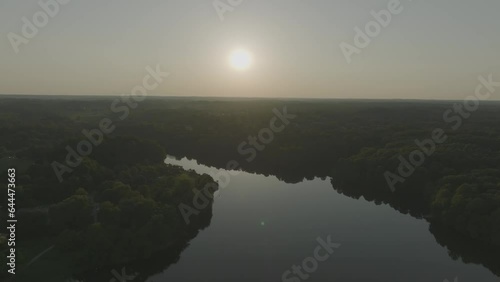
(117, 206)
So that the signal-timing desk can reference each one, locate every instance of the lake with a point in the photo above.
(261, 227)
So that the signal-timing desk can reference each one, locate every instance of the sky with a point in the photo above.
(428, 50)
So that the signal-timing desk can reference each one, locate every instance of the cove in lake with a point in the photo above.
(261, 227)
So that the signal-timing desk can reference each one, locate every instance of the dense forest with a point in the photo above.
(121, 201)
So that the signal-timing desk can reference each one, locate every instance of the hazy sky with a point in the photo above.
(431, 50)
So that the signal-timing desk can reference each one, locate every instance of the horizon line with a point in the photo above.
(237, 97)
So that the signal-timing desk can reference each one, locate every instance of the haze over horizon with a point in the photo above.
(430, 50)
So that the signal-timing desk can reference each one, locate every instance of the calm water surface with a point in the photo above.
(262, 226)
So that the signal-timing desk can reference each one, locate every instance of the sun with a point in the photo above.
(240, 59)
